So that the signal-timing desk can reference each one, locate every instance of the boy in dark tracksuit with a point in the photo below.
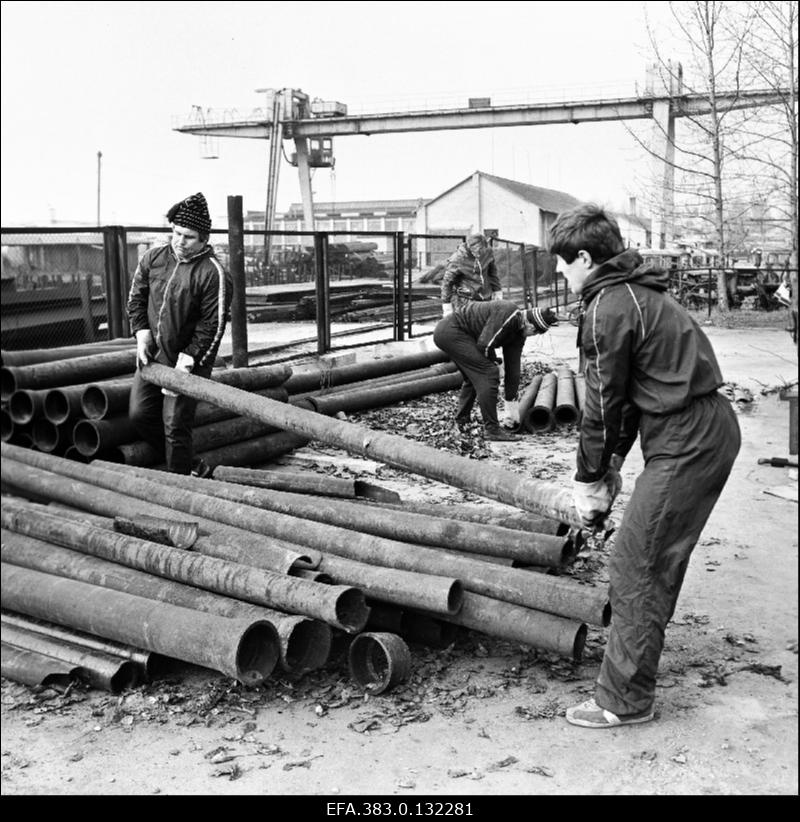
(651, 371)
(178, 307)
(470, 336)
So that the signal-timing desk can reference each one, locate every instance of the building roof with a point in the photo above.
(547, 199)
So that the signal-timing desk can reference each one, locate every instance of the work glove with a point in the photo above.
(613, 478)
(510, 416)
(447, 309)
(144, 339)
(592, 501)
(185, 363)
(497, 295)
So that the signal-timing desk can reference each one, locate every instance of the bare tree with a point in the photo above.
(771, 58)
(710, 65)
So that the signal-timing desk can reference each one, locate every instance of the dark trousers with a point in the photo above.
(481, 375)
(165, 422)
(688, 457)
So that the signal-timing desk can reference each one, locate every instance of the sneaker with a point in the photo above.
(200, 468)
(498, 434)
(590, 715)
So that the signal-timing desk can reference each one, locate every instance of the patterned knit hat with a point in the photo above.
(541, 318)
(191, 213)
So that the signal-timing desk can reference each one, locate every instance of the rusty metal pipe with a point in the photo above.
(526, 400)
(63, 404)
(39, 475)
(524, 546)
(405, 588)
(143, 660)
(518, 624)
(32, 356)
(546, 593)
(256, 451)
(349, 401)
(566, 412)
(245, 650)
(104, 399)
(92, 437)
(66, 372)
(100, 670)
(541, 415)
(530, 494)
(32, 669)
(325, 377)
(304, 642)
(254, 378)
(51, 438)
(25, 405)
(337, 605)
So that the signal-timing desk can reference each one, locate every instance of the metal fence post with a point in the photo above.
(114, 306)
(322, 291)
(410, 284)
(399, 322)
(239, 299)
(124, 283)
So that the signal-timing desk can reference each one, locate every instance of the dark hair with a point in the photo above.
(585, 227)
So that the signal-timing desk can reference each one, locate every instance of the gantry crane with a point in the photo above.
(312, 125)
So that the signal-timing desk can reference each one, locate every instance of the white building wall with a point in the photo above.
(515, 218)
(633, 233)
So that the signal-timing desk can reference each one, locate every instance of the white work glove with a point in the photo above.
(447, 309)
(592, 501)
(144, 339)
(185, 363)
(510, 417)
(497, 295)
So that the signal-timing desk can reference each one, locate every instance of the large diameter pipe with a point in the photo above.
(33, 669)
(103, 399)
(525, 547)
(385, 395)
(518, 624)
(404, 588)
(51, 438)
(143, 660)
(100, 670)
(530, 494)
(92, 437)
(322, 377)
(541, 416)
(338, 605)
(254, 378)
(33, 356)
(553, 594)
(66, 372)
(245, 650)
(257, 451)
(580, 393)
(304, 642)
(565, 412)
(63, 404)
(42, 477)
(25, 405)
(526, 400)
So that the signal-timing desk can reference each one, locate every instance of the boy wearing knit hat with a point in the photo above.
(178, 307)
(470, 337)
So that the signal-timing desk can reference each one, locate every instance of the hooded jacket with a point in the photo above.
(184, 303)
(644, 355)
(469, 278)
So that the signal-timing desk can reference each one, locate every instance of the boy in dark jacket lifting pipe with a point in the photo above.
(649, 370)
(178, 307)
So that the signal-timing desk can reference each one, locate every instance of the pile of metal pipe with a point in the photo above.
(551, 399)
(551, 594)
(246, 650)
(541, 416)
(566, 411)
(491, 481)
(304, 641)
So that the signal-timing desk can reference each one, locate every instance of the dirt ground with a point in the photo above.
(485, 718)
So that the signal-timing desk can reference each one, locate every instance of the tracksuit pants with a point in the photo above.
(481, 375)
(688, 457)
(165, 422)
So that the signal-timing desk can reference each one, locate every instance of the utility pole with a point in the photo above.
(99, 162)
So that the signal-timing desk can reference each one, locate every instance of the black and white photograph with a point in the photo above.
(399, 403)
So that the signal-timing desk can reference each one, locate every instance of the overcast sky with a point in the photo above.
(83, 77)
